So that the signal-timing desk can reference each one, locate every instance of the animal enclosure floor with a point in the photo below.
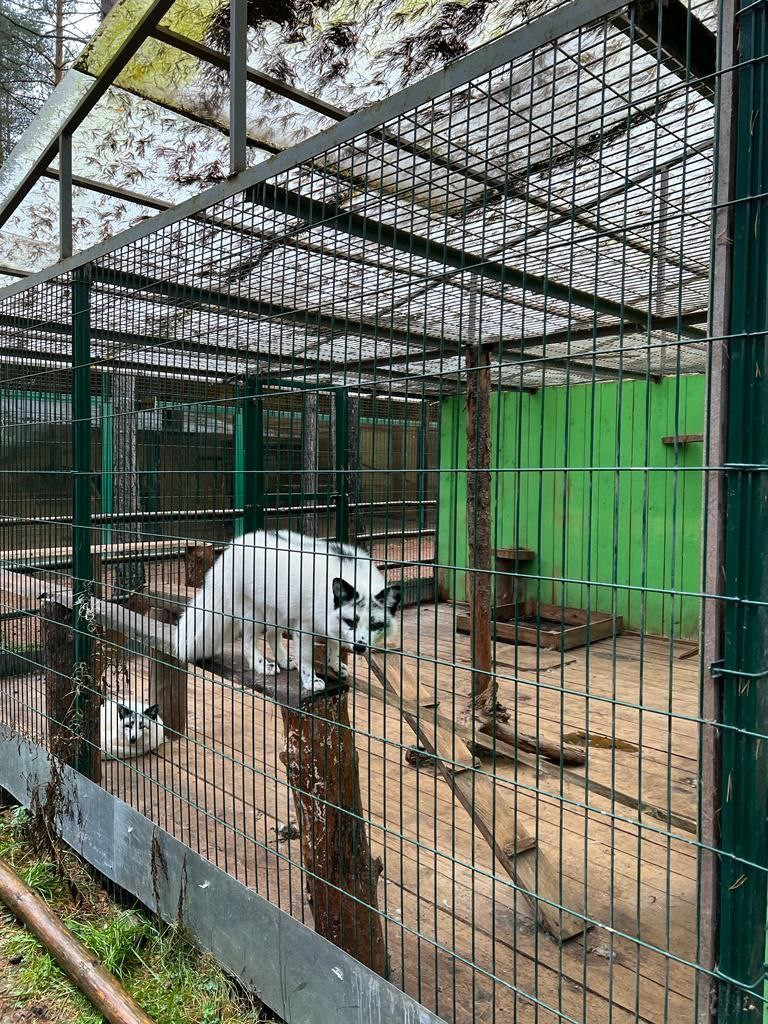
(223, 791)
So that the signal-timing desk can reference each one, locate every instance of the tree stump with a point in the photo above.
(341, 875)
(72, 709)
(198, 559)
(168, 689)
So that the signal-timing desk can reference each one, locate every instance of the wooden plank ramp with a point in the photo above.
(492, 810)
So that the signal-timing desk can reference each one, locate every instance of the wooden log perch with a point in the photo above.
(341, 874)
(73, 717)
(95, 982)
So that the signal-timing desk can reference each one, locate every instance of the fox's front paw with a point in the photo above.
(310, 682)
(264, 667)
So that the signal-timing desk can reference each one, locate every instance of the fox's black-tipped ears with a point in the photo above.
(343, 592)
(151, 712)
(390, 597)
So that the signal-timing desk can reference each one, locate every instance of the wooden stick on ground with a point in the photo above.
(103, 990)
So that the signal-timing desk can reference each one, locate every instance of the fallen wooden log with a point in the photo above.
(95, 982)
(560, 753)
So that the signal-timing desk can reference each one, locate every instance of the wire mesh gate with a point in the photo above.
(471, 336)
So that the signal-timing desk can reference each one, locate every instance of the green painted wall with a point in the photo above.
(606, 519)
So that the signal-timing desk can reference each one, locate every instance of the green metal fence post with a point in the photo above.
(81, 508)
(744, 862)
(341, 410)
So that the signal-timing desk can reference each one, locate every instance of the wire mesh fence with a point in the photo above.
(472, 341)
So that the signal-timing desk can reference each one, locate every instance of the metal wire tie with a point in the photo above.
(717, 668)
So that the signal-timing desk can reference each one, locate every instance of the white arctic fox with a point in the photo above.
(130, 728)
(275, 582)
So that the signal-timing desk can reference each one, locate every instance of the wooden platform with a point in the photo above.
(223, 791)
(546, 625)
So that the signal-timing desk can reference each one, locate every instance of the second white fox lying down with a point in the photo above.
(275, 582)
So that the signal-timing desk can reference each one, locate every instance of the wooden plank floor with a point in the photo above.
(460, 937)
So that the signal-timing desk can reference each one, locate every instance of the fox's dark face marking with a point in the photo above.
(134, 723)
(365, 622)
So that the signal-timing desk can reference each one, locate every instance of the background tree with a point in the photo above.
(39, 39)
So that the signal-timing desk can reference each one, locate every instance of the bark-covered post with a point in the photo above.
(480, 553)
(309, 446)
(168, 689)
(354, 485)
(130, 574)
(198, 559)
(72, 709)
(341, 874)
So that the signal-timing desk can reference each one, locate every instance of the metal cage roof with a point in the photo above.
(548, 195)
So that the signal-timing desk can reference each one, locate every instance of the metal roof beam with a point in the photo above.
(310, 364)
(668, 323)
(567, 18)
(152, 289)
(220, 60)
(131, 44)
(266, 362)
(671, 33)
(321, 214)
(503, 185)
(113, 191)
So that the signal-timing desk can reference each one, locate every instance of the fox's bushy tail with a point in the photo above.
(208, 618)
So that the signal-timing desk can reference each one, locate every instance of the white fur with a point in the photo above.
(276, 582)
(129, 728)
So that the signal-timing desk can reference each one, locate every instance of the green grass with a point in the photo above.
(173, 981)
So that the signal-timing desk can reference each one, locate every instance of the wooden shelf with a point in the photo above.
(673, 439)
(515, 554)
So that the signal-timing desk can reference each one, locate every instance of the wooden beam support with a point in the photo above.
(309, 443)
(168, 689)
